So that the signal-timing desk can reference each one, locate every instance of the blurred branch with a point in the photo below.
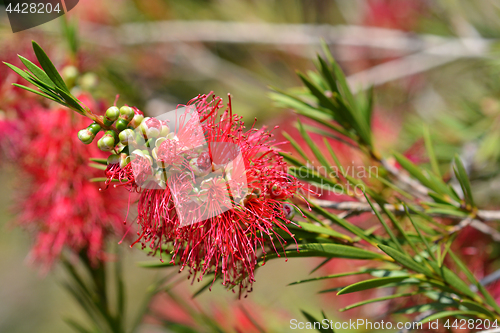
(353, 207)
(420, 52)
(289, 34)
(364, 207)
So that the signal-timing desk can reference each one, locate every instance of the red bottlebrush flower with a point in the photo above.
(59, 205)
(224, 200)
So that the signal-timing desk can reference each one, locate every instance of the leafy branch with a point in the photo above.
(402, 193)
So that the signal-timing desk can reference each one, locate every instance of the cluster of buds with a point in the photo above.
(211, 190)
(116, 121)
(179, 158)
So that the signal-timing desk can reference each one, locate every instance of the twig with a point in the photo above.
(412, 185)
(362, 207)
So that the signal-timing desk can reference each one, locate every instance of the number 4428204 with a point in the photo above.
(471, 324)
(33, 8)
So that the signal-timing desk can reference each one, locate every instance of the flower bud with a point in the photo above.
(165, 130)
(94, 128)
(124, 160)
(151, 127)
(70, 74)
(112, 113)
(86, 136)
(141, 153)
(107, 142)
(137, 119)
(89, 81)
(121, 124)
(126, 136)
(161, 178)
(127, 113)
(113, 159)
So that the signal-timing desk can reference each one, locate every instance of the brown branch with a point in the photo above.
(364, 207)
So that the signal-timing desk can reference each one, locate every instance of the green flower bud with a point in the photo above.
(165, 130)
(70, 74)
(94, 128)
(151, 127)
(127, 113)
(124, 160)
(136, 153)
(112, 113)
(89, 81)
(112, 134)
(107, 122)
(121, 124)
(106, 143)
(159, 141)
(113, 159)
(136, 120)
(126, 136)
(86, 136)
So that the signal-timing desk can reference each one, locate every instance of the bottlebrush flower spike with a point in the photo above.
(215, 191)
(59, 204)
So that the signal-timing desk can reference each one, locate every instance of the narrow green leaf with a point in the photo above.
(373, 283)
(397, 224)
(379, 299)
(314, 148)
(120, 291)
(321, 264)
(102, 161)
(463, 179)
(413, 170)
(444, 314)
(49, 67)
(325, 101)
(154, 264)
(452, 212)
(473, 306)
(343, 223)
(76, 326)
(39, 73)
(36, 92)
(18, 71)
(322, 230)
(453, 280)
(202, 289)
(487, 296)
(97, 166)
(295, 145)
(289, 158)
(430, 152)
(424, 240)
(327, 74)
(334, 156)
(387, 229)
(102, 180)
(436, 306)
(406, 260)
(70, 100)
(313, 320)
(312, 175)
(342, 251)
(333, 276)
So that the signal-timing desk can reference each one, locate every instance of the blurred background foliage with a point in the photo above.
(433, 63)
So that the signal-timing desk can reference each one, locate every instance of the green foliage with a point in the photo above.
(47, 80)
(410, 252)
(411, 197)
